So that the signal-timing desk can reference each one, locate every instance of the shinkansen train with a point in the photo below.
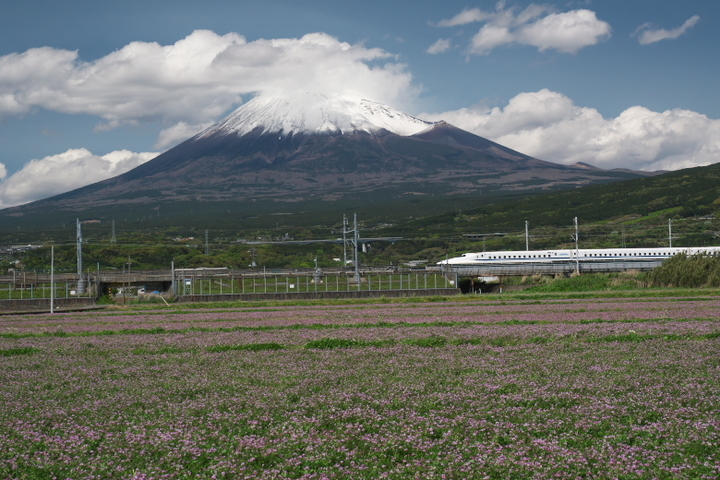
(572, 255)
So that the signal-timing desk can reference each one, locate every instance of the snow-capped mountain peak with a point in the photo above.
(303, 112)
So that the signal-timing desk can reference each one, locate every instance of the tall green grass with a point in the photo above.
(593, 282)
(687, 272)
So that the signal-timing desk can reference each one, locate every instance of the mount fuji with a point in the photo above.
(283, 148)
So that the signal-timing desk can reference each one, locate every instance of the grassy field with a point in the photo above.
(492, 387)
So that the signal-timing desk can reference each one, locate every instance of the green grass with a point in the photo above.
(526, 295)
(250, 347)
(18, 351)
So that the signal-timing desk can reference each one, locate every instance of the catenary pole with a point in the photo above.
(577, 249)
(52, 278)
(527, 237)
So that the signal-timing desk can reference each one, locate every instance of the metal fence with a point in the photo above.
(307, 283)
(205, 282)
(41, 289)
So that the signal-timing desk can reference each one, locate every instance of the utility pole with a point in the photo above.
(207, 243)
(129, 281)
(527, 237)
(344, 229)
(577, 249)
(52, 278)
(113, 239)
(670, 232)
(81, 282)
(356, 242)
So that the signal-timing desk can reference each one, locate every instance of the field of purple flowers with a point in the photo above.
(602, 388)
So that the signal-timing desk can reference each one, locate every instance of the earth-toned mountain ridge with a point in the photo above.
(304, 147)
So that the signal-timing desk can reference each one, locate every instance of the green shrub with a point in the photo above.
(589, 282)
(687, 272)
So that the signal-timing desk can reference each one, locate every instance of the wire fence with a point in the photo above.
(144, 285)
(38, 290)
(271, 283)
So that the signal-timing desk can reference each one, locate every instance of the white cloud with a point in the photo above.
(647, 35)
(194, 80)
(469, 15)
(567, 32)
(66, 171)
(536, 25)
(548, 125)
(442, 45)
(177, 133)
(490, 37)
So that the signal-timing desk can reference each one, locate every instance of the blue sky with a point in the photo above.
(90, 89)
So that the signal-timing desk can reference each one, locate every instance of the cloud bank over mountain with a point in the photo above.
(195, 80)
(548, 125)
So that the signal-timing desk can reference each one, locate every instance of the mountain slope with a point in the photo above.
(292, 148)
(687, 193)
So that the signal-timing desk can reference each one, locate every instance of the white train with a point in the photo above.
(572, 255)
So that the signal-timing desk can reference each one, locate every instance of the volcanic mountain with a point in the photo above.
(285, 148)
